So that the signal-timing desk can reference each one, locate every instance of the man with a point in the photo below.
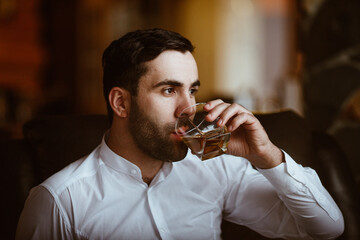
(141, 182)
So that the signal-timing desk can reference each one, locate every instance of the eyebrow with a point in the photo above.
(175, 83)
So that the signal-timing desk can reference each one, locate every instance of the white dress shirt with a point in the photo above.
(103, 196)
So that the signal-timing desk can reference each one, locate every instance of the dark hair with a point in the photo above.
(123, 60)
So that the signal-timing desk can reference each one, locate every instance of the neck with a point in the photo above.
(122, 143)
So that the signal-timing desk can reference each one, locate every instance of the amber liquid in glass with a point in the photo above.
(209, 144)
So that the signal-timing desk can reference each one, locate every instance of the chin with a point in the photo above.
(179, 156)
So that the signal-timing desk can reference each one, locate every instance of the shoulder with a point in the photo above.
(43, 218)
(75, 172)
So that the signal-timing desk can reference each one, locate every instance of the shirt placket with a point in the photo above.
(157, 213)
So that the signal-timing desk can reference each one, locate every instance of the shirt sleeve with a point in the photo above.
(287, 201)
(42, 219)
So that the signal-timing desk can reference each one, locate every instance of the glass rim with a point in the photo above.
(194, 105)
(179, 124)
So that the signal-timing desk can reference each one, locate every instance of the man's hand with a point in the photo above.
(248, 137)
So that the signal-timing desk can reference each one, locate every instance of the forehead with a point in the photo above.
(170, 65)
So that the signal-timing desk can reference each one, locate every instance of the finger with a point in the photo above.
(230, 112)
(216, 111)
(213, 103)
(245, 119)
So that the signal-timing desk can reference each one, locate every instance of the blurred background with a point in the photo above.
(268, 55)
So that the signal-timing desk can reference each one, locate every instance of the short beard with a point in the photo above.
(152, 139)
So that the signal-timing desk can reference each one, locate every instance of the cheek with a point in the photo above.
(161, 113)
(156, 108)
(153, 114)
(160, 116)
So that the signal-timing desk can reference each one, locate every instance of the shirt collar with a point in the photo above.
(123, 165)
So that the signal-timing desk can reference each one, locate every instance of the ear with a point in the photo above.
(119, 100)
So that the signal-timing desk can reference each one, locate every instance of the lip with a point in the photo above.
(182, 129)
(175, 136)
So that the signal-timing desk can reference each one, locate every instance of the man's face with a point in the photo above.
(164, 91)
(153, 138)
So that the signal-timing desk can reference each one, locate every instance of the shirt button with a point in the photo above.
(133, 171)
(163, 230)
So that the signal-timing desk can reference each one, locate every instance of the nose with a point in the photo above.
(185, 107)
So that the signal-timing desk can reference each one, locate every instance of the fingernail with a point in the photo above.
(220, 121)
(230, 128)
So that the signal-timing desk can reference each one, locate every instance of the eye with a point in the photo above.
(169, 90)
(193, 91)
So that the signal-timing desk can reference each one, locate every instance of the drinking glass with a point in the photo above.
(205, 139)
